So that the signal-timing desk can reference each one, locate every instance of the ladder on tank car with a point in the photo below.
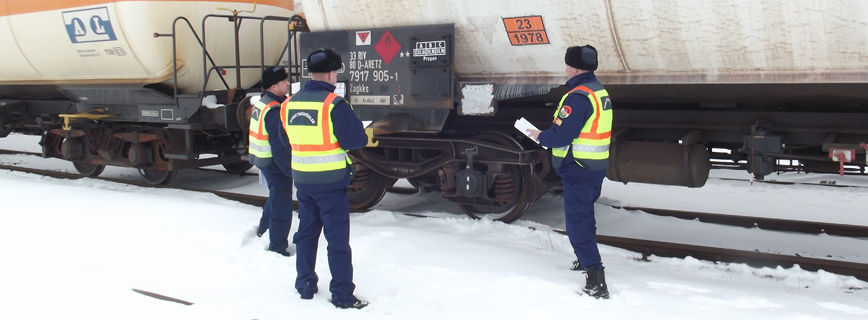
(235, 97)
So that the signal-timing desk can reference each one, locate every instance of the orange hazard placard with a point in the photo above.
(525, 30)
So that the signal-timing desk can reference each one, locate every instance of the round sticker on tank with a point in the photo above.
(565, 112)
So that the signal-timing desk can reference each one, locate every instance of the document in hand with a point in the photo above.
(522, 125)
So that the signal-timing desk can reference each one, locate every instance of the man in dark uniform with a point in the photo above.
(580, 152)
(273, 159)
(321, 128)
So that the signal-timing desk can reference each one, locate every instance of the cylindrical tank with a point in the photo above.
(105, 41)
(659, 163)
(639, 41)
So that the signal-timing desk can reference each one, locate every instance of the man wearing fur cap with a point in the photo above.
(579, 140)
(322, 127)
(272, 158)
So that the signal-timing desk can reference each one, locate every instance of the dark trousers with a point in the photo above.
(581, 225)
(277, 213)
(329, 212)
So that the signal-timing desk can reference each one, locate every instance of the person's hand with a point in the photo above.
(533, 134)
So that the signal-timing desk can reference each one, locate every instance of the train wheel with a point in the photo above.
(367, 188)
(236, 167)
(509, 185)
(87, 169)
(157, 177)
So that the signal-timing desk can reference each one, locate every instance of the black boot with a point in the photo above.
(595, 283)
(355, 305)
(577, 265)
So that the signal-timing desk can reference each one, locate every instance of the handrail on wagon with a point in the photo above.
(295, 24)
(175, 51)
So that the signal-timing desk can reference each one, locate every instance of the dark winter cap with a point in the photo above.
(584, 57)
(323, 60)
(273, 75)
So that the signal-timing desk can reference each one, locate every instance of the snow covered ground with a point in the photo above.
(77, 248)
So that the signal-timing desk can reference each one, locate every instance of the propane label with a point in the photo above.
(430, 48)
(525, 30)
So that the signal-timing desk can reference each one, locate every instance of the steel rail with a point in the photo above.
(644, 247)
(752, 258)
(811, 227)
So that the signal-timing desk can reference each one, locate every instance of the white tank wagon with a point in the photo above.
(80, 42)
(748, 84)
(122, 82)
(639, 41)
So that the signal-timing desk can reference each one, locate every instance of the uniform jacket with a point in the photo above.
(347, 129)
(570, 128)
(281, 152)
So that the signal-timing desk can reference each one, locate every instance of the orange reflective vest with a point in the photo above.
(317, 158)
(591, 148)
(258, 147)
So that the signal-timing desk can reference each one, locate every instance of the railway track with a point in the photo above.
(811, 227)
(752, 258)
(789, 183)
(644, 247)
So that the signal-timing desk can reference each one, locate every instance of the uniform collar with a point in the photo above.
(275, 97)
(319, 85)
(582, 78)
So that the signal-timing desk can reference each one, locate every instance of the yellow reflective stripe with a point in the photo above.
(592, 142)
(319, 167)
(590, 156)
(560, 152)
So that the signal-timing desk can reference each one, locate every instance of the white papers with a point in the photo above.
(523, 125)
(262, 180)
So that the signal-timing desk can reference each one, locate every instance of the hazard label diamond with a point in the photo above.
(387, 47)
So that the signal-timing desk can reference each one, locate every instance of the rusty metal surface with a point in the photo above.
(659, 163)
(407, 157)
(28, 153)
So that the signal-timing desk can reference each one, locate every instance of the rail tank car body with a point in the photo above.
(763, 86)
(122, 82)
(639, 41)
(83, 42)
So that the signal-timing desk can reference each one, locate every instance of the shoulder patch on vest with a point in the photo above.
(558, 121)
(565, 112)
(607, 104)
(255, 113)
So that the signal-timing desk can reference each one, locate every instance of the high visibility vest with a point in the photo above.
(258, 147)
(317, 158)
(591, 147)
